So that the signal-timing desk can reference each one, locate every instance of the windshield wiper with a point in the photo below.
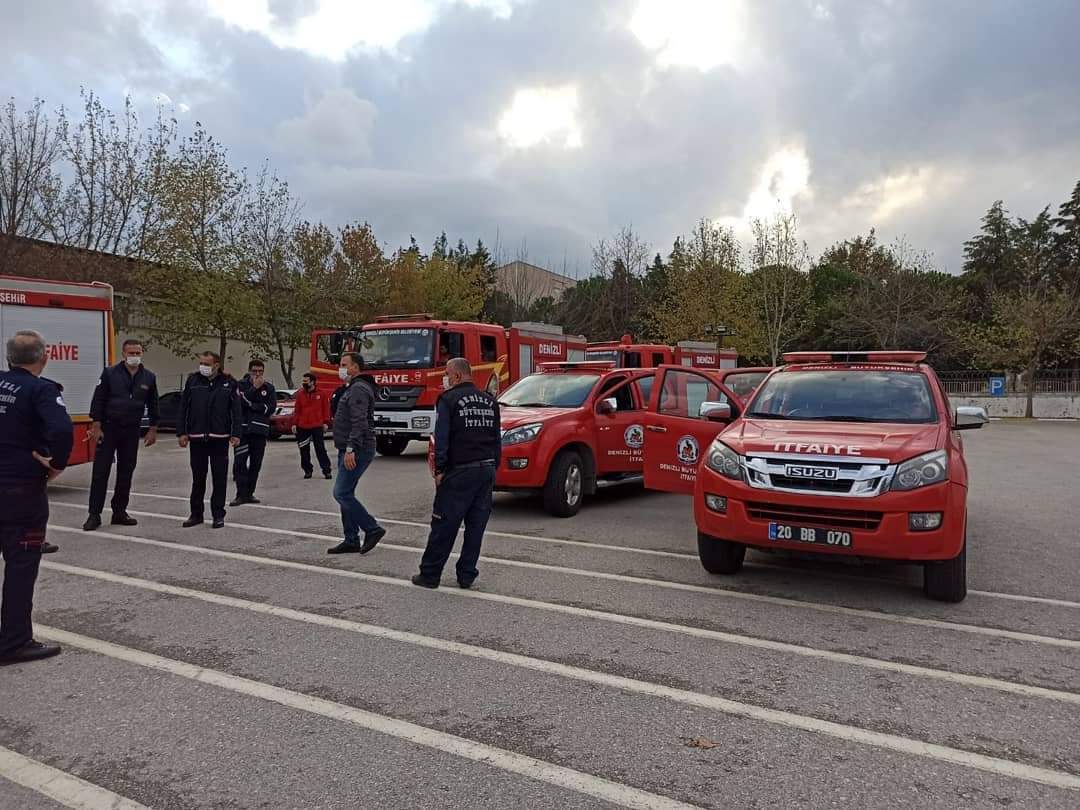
(526, 404)
(842, 419)
(760, 415)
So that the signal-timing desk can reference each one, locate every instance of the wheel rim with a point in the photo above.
(573, 485)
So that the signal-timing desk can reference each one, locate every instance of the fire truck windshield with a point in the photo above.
(397, 347)
(846, 396)
(550, 391)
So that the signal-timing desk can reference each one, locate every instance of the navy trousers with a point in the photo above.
(464, 496)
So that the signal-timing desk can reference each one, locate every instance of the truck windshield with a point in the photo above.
(398, 347)
(846, 396)
(601, 356)
(550, 391)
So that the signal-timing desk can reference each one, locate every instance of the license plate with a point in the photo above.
(806, 534)
(385, 431)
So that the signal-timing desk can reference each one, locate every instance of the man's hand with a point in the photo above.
(234, 441)
(46, 462)
(293, 429)
(151, 437)
(182, 441)
(93, 433)
(438, 478)
(350, 461)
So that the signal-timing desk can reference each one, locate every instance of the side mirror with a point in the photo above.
(607, 407)
(715, 411)
(969, 417)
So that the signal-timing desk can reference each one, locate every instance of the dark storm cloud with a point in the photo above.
(914, 116)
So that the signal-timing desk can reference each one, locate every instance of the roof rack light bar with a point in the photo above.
(855, 357)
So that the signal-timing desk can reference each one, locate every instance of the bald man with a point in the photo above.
(468, 444)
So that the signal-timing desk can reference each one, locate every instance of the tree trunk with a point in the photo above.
(223, 344)
(1029, 409)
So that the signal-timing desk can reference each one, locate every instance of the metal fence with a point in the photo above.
(988, 383)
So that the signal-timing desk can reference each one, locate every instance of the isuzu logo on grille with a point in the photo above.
(819, 473)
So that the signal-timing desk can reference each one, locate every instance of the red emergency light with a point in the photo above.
(854, 357)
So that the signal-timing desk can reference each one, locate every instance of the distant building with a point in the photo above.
(526, 283)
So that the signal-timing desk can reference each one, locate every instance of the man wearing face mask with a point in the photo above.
(354, 438)
(310, 417)
(122, 394)
(209, 423)
(258, 401)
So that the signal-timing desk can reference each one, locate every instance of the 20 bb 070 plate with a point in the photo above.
(810, 535)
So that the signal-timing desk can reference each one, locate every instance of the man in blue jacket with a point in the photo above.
(35, 442)
(258, 399)
(122, 394)
(209, 423)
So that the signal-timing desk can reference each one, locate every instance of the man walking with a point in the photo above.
(258, 400)
(311, 416)
(468, 446)
(354, 438)
(122, 394)
(208, 423)
(35, 442)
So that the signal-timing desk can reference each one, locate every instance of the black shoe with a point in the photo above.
(239, 500)
(49, 548)
(345, 547)
(424, 582)
(30, 651)
(92, 522)
(252, 499)
(307, 475)
(327, 476)
(192, 521)
(465, 583)
(372, 538)
(123, 519)
(219, 523)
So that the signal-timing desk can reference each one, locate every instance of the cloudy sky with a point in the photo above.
(550, 123)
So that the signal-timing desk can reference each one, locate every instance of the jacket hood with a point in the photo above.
(892, 442)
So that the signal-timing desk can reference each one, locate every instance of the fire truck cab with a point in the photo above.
(76, 320)
(625, 353)
(407, 356)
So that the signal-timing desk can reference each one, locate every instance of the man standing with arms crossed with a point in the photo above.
(35, 442)
(354, 438)
(122, 394)
(468, 446)
(258, 401)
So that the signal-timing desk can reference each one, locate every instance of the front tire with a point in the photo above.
(391, 445)
(564, 489)
(946, 580)
(720, 556)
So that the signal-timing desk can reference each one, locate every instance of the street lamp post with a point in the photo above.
(720, 331)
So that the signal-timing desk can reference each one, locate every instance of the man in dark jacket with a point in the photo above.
(354, 438)
(209, 422)
(35, 442)
(258, 400)
(122, 394)
(468, 446)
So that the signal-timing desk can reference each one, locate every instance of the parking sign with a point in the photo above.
(997, 386)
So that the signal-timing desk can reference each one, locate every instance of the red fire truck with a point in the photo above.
(625, 353)
(76, 320)
(407, 356)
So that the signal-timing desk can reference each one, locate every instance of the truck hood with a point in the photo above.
(513, 417)
(894, 442)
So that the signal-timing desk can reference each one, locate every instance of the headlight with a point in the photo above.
(519, 435)
(921, 471)
(725, 461)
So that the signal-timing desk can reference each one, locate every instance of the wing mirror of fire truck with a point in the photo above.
(607, 407)
(715, 411)
(969, 417)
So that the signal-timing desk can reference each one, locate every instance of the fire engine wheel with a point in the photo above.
(565, 486)
(946, 580)
(391, 445)
(720, 556)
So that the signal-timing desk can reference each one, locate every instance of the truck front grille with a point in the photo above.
(819, 475)
(812, 516)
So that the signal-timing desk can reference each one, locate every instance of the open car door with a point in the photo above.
(676, 434)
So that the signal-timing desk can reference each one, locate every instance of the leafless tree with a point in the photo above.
(778, 261)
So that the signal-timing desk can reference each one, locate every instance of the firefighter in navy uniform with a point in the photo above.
(35, 443)
(122, 394)
(468, 445)
(258, 401)
(209, 423)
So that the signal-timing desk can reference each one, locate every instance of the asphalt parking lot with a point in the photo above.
(595, 665)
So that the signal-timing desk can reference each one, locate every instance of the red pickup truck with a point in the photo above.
(854, 454)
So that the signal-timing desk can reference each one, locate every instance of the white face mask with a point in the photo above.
(446, 383)
(205, 370)
(343, 373)
(133, 359)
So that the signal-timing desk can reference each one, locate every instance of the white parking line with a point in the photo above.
(68, 790)
(577, 781)
(978, 681)
(840, 731)
(723, 593)
(677, 555)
